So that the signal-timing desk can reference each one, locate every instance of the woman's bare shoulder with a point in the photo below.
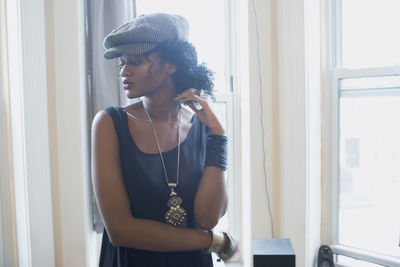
(101, 117)
(104, 136)
(103, 125)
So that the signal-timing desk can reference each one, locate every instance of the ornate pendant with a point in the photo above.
(176, 215)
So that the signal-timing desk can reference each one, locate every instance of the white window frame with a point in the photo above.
(334, 74)
(235, 78)
(227, 97)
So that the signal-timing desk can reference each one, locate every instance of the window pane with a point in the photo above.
(207, 29)
(369, 216)
(370, 33)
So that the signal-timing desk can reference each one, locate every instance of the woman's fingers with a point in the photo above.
(190, 91)
(193, 107)
(202, 101)
(192, 95)
(187, 97)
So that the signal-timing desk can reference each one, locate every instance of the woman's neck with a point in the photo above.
(161, 108)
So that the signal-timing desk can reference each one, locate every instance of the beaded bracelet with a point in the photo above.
(216, 151)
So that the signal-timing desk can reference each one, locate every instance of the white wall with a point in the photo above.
(284, 48)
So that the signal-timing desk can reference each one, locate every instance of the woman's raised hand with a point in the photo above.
(205, 113)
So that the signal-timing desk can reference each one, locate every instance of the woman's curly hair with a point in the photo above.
(188, 74)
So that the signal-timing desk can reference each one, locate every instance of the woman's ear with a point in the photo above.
(171, 68)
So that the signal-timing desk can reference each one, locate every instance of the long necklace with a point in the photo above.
(176, 215)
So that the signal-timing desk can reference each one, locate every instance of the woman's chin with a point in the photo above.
(131, 94)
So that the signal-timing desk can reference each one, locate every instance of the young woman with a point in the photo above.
(157, 166)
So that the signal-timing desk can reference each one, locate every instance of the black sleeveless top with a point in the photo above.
(148, 192)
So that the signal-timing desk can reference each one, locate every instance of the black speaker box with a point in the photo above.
(273, 252)
(325, 256)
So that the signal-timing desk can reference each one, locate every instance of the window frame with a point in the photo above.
(227, 97)
(335, 73)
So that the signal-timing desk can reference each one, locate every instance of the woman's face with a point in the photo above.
(143, 76)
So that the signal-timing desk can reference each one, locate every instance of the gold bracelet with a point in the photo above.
(229, 250)
(217, 242)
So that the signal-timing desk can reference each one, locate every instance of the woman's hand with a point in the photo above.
(205, 114)
(230, 248)
(223, 245)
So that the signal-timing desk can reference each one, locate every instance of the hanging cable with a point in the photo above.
(262, 117)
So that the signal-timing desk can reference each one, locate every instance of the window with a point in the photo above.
(211, 38)
(365, 87)
(370, 33)
(208, 35)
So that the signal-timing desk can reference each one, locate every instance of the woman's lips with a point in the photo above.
(128, 86)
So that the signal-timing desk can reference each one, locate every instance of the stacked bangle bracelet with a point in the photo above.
(216, 151)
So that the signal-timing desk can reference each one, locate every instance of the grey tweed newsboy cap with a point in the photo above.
(144, 33)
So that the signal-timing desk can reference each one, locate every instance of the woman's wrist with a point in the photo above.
(216, 151)
(222, 244)
(217, 243)
(218, 131)
(229, 249)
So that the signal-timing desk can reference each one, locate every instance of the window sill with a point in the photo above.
(366, 256)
